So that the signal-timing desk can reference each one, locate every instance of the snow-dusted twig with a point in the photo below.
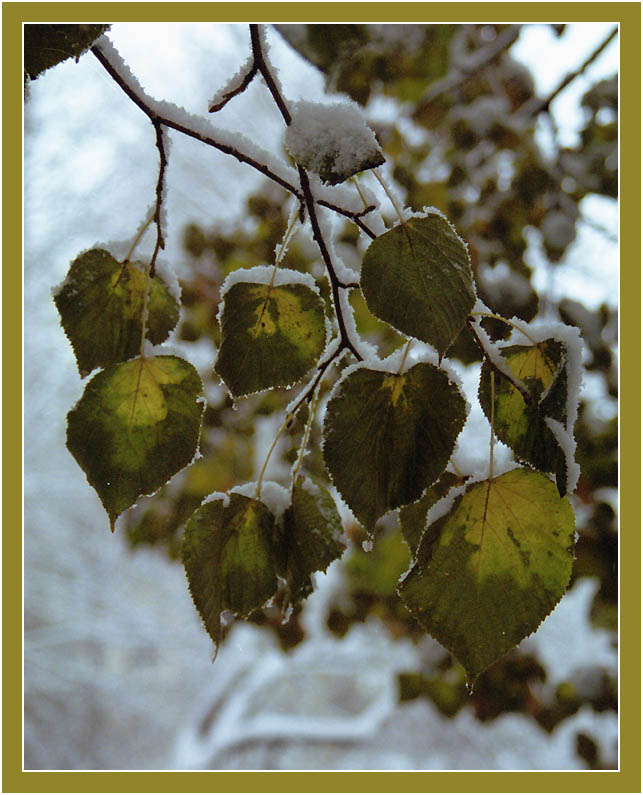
(161, 120)
(160, 187)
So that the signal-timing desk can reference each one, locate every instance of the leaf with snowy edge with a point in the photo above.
(332, 140)
(387, 436)
(522, 426)
(228, 551)
(413, 516)
(101, 306)
(270, 336)
(491, 569)
(417, 277)
(312, 537)
(136, 425)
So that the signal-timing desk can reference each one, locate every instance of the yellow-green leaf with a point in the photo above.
(228, 551)
(271, 336)
(387, 437)
(417, 277)
(101, 307)
(489, 571)
(136, 425)
(522, 426)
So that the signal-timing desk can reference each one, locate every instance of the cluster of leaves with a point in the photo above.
(486, 569)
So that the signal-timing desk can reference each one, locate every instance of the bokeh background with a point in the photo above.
(117, 667)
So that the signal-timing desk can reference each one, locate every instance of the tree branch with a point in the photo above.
(543, 105)
(227, 149)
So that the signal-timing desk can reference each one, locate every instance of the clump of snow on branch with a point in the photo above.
(333, 140)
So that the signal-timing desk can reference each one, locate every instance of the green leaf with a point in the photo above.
(387, 437)
(489, 571)
(522, 426)
(101, 306)
(136, 425)
(312, 537)
(47, 45)
(377, 572)
(417, 277)
(413, 516)
(228, 554)
(270, 336)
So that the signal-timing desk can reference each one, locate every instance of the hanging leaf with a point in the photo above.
(387, 437)
(413, 516)
(101, 306)
(136, 425)
(48, 45)
(489, 571)
(228, 551)
(270, 336)
(417, 277)
(312, 537)
(522, 426)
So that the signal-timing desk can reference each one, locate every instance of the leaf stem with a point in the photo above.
(137, 239)
(505, 320)
(359, 190)
(406, 353)
(304, 442)
(292, 221)
(146, 304)
(284, 425)
(492, 421)
(389, 193)
(479, 334)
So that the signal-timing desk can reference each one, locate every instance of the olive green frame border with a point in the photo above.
(628, 778)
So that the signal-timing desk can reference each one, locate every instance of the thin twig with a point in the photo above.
(226, 149)
(483, 58)
(354, 217)
(543, 105)
(160, 241)
(332, 275)
(234, 92)
(263, 67)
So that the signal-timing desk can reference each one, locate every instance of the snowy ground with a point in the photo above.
(117, 665)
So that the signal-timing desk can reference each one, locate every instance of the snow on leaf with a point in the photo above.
(491, 570)
(270, 336)
(228, 552)
(136, 425)
(332, 140)
(417, 277)
(101, 305)
(387, 437)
